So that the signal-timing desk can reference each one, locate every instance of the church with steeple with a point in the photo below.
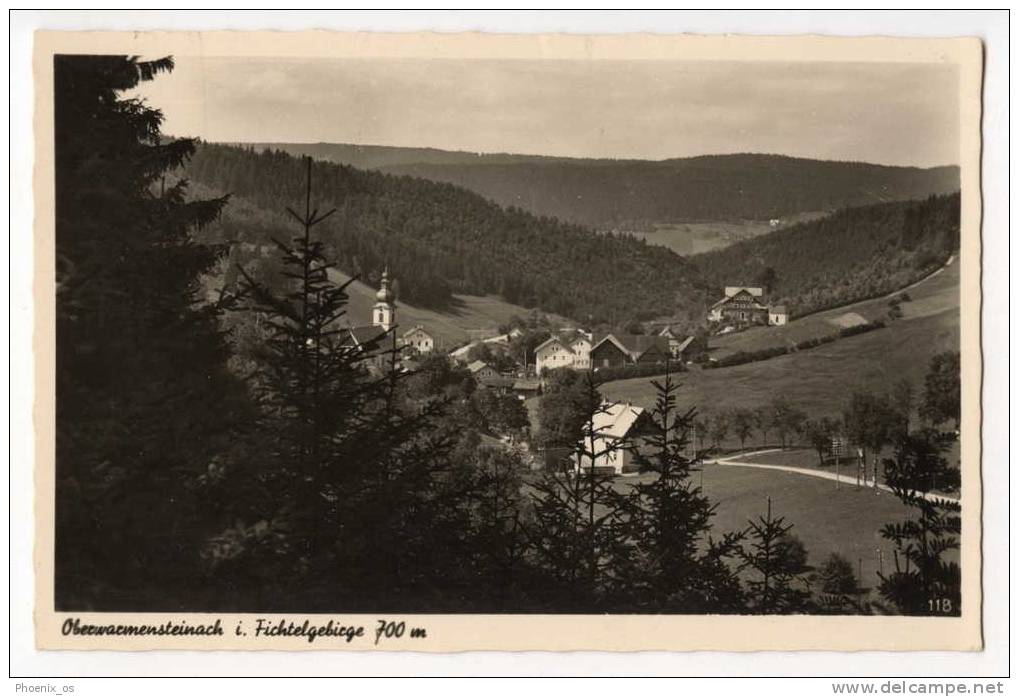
(383, 319)
(384, 312)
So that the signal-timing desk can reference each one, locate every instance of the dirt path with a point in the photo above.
(820, 474)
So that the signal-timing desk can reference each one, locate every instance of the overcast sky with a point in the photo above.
(901, 114)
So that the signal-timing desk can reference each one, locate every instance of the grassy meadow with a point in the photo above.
(931, 296)
(448, 327)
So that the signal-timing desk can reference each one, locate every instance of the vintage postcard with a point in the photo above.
(423, 342)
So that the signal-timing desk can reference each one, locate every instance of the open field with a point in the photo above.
(449, 327)
(818, 381)
(847, 521)
(931, 296)
(695, 238)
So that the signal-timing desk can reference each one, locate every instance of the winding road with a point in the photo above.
(820, 474)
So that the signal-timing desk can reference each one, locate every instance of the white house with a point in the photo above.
(744, 306)
(615, 425)
(777, 315)
(418, 339)
(552, 353)
(581, 347)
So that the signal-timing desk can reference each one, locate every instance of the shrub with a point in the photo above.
(741, 357)
(837, 577)
(862, 328)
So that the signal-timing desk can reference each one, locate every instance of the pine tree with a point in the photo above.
(355, 493)
(923, 582)
(772, 588)
(678, 566)
(148, 417)
(575, 538)
(498, 538)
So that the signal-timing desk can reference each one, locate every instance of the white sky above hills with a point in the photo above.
(896, 114)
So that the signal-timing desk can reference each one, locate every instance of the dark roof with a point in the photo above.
(686, 342)
(496, 381)
(365, 334)
(778, 309)
(638, 344)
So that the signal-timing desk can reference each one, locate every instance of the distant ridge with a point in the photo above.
(636, 195)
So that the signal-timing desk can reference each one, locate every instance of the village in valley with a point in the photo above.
(406, 390)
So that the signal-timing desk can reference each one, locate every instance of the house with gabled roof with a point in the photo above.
(552, 353)
(741, 305)
(581, 347)
(777, 315)
(615, 350)
(745, 305)
(617, 428)
(418, 339)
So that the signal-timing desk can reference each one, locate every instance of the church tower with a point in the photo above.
(384, 312)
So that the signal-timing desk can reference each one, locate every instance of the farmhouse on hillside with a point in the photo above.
(616, 350)
(744, 306)
(616, 424)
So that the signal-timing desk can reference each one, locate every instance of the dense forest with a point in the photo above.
(635, 194)
(440, 239)
(853, 254)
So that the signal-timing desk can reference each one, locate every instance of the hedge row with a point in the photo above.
(741, 357)
(637, 370)
(862, 328)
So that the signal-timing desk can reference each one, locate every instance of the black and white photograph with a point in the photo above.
(347, 334)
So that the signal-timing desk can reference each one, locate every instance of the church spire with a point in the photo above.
(384, 312)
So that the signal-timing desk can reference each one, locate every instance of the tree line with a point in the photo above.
(443, 239)
(637, 195)
(853, 254)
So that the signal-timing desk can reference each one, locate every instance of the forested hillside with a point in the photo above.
(854, 254)
(636, 194)
(439, 239)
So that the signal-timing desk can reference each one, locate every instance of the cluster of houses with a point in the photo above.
(584, 351)
(745, 306)
(615, 423)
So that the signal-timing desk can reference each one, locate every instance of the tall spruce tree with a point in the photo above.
(576, 534)
(355, 505)
(774, 586)
(678, 566)
(146, 412)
